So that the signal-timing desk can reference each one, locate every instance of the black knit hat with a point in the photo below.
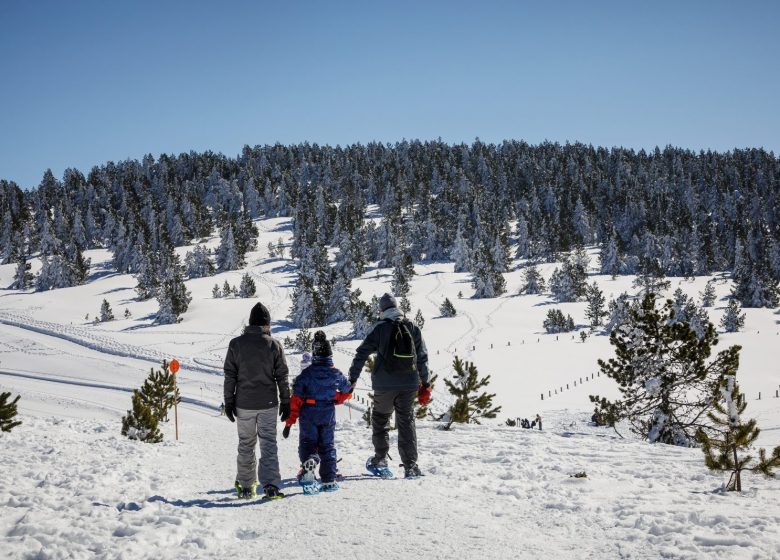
(260, 317)
(386, 302)
(321, 346)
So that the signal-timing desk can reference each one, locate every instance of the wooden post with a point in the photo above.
(542, 396)
(174, 367)
(759, 395)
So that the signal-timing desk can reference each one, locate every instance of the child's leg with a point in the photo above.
(326, 445)
(307, 440)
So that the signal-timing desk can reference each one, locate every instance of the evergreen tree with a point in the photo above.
(419, 320)
(157, 392)
(609, 259)
(127, 313)
(216, 292)
(460, 252)
(556, 322)
(23, 278)
(140, 423)
(247, 288)
(340, 300)
(173, 297)
(731, 436)
(471, 404)
(595, 311)
(617, 312)
(405, 306)
(198, 262)
(106, 314)
(663, 374)
(8, 412)
(226, 289)
(708, 295)
(271, 250)
(228, 255)
(733, 320)
(447, 309)
(533, 281)
(569, 282)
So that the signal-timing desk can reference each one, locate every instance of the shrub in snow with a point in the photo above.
(595, 311)
(140, 423)
(617, 312)
(725, 446)
(301, 343)
(198, 263)
(158, 393)
(216, 293)
(708, 295)
(664, 377)
(470, 404)
(733, 320)
(8, 412)
(404, 305)
(447, 309)
(127, 313)
(106, 314)
(557, 323)
(533, 281)
(419, 320)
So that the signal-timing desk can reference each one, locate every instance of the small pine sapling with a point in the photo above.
(708, 295)
(127, 313)
(447, 309)
(470, 404)
(216, 292)
(419, 320)
(106, 313)
(247, 288)
(733, 320)
(280, 248)
(158, 394)
(226, 289)
(140, 423)
(271, 250)
(8, 412)
(725, 446)
(404, 305)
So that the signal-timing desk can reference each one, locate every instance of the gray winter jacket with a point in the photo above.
(377, 341)
(255, 371)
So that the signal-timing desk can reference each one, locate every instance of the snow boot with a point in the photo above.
(412, 471)
(307, 477)
(378, 467)
(271, 492)
(329, 486)
(248, 493)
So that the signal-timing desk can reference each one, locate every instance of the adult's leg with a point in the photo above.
(327, 448)
(246, 463)
(268, 469)
(380, 422)
(407, 431)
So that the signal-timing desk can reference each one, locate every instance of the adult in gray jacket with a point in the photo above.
(394, 388)
(255, 386)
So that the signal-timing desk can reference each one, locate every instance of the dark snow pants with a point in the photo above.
(317, 424)
(402, 402)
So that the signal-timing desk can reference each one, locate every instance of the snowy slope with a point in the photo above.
(70, 486)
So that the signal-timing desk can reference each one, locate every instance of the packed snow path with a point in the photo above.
(77, 489)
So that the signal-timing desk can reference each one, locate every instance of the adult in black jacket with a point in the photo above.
(255, 386)
(393, 390)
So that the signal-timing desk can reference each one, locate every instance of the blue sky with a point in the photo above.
(83, 82)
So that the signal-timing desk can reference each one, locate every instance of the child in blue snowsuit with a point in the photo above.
(316, 391)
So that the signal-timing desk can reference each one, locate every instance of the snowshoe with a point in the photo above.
(271, 492)
(307, 477)
(248, 493)
(379, 468)
(329, 486)
(412, 471)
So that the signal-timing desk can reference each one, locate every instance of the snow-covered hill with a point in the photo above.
(71, 486)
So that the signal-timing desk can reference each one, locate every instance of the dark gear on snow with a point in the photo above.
(321, 346)
(402, 402)
(284, 411)
(386, 302)
(230, 411)
(259, 316)
(286, 432)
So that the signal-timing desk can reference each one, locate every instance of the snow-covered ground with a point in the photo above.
(72, 487)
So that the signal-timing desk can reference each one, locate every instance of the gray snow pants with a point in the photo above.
(254, 424)
(385, 402)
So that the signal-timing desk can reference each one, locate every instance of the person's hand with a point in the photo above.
(286, 431)
(230, 411)
(424, 394)
(284, 410)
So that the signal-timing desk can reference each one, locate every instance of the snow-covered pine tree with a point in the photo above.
(595, 311)
(8, 412)
(708, 295)
(733, 320)
(651, 278)
(471, 404)
(198, 262)
(247, 288)
(106, 314)
(460, 252)
(340, 300)
(404, 305)
(533, 281)
(419, 320)
(609, 258)
(226, 289)
(216, 293)
(271, 250)
(617, 312)
(127, 313)
(172, 295)
(447, 309)
(306, 310)
(725, 445)
(228, 255)
(556, 322)
(157, 392)
(23, 278)
(140, 423)
(662, 372)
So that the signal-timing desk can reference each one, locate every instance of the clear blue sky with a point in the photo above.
(83, 82)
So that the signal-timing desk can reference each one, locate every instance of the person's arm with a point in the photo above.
(366, 348)
(281, 373)
(231, 376)
(296, 402)
(343, 388)
(422, 356)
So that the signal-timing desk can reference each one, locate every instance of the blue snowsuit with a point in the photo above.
(316, 387)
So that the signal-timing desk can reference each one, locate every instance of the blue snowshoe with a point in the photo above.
(329, 486)
(307, 477)
(379, 468)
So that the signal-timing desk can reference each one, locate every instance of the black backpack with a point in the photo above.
(400, 356)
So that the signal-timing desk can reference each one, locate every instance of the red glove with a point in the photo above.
(342, 397)
(295, 409)
(424, 394)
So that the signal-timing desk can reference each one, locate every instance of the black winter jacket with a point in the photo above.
(381, 379)
(255, 371)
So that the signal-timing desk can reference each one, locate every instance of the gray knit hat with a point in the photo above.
(386, 302)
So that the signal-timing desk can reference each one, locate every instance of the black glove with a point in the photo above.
(286, 432)
(230, 411)
(284, 410)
